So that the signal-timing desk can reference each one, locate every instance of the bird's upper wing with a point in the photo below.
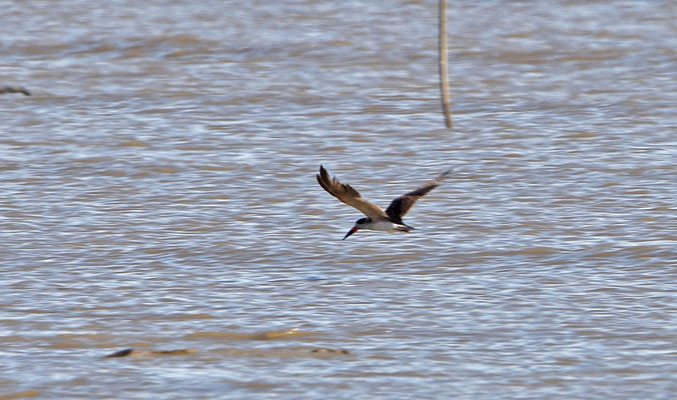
(402, 204)
(348, 195)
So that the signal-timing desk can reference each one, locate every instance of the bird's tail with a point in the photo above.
(405, 228)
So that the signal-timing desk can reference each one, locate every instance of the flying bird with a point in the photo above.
(14, 89)
(389, 220)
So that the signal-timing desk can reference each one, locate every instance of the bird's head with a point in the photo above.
(360, 223)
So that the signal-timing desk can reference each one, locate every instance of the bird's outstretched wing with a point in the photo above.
(348, 195)
(399, 207)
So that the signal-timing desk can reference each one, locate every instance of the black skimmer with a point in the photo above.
(14, 89)
(389, 220)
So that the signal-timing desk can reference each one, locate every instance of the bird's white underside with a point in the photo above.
(385, 226)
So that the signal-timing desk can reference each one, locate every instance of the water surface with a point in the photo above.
(159, 194)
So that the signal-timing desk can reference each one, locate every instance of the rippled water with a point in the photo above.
(159, 194)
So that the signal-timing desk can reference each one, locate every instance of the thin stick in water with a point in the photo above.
(444, 70)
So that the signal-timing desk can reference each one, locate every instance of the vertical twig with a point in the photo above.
(444, 70)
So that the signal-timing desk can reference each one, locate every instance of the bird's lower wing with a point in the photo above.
(399, 207)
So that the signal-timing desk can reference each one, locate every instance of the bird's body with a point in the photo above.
(376, 219)
(385, 226)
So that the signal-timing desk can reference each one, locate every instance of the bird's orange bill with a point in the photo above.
(350, 232)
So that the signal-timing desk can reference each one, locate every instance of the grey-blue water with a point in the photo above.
(159, 193)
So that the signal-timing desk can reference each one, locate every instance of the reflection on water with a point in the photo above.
(159, 195)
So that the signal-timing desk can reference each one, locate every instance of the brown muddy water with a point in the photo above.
(158, 194)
